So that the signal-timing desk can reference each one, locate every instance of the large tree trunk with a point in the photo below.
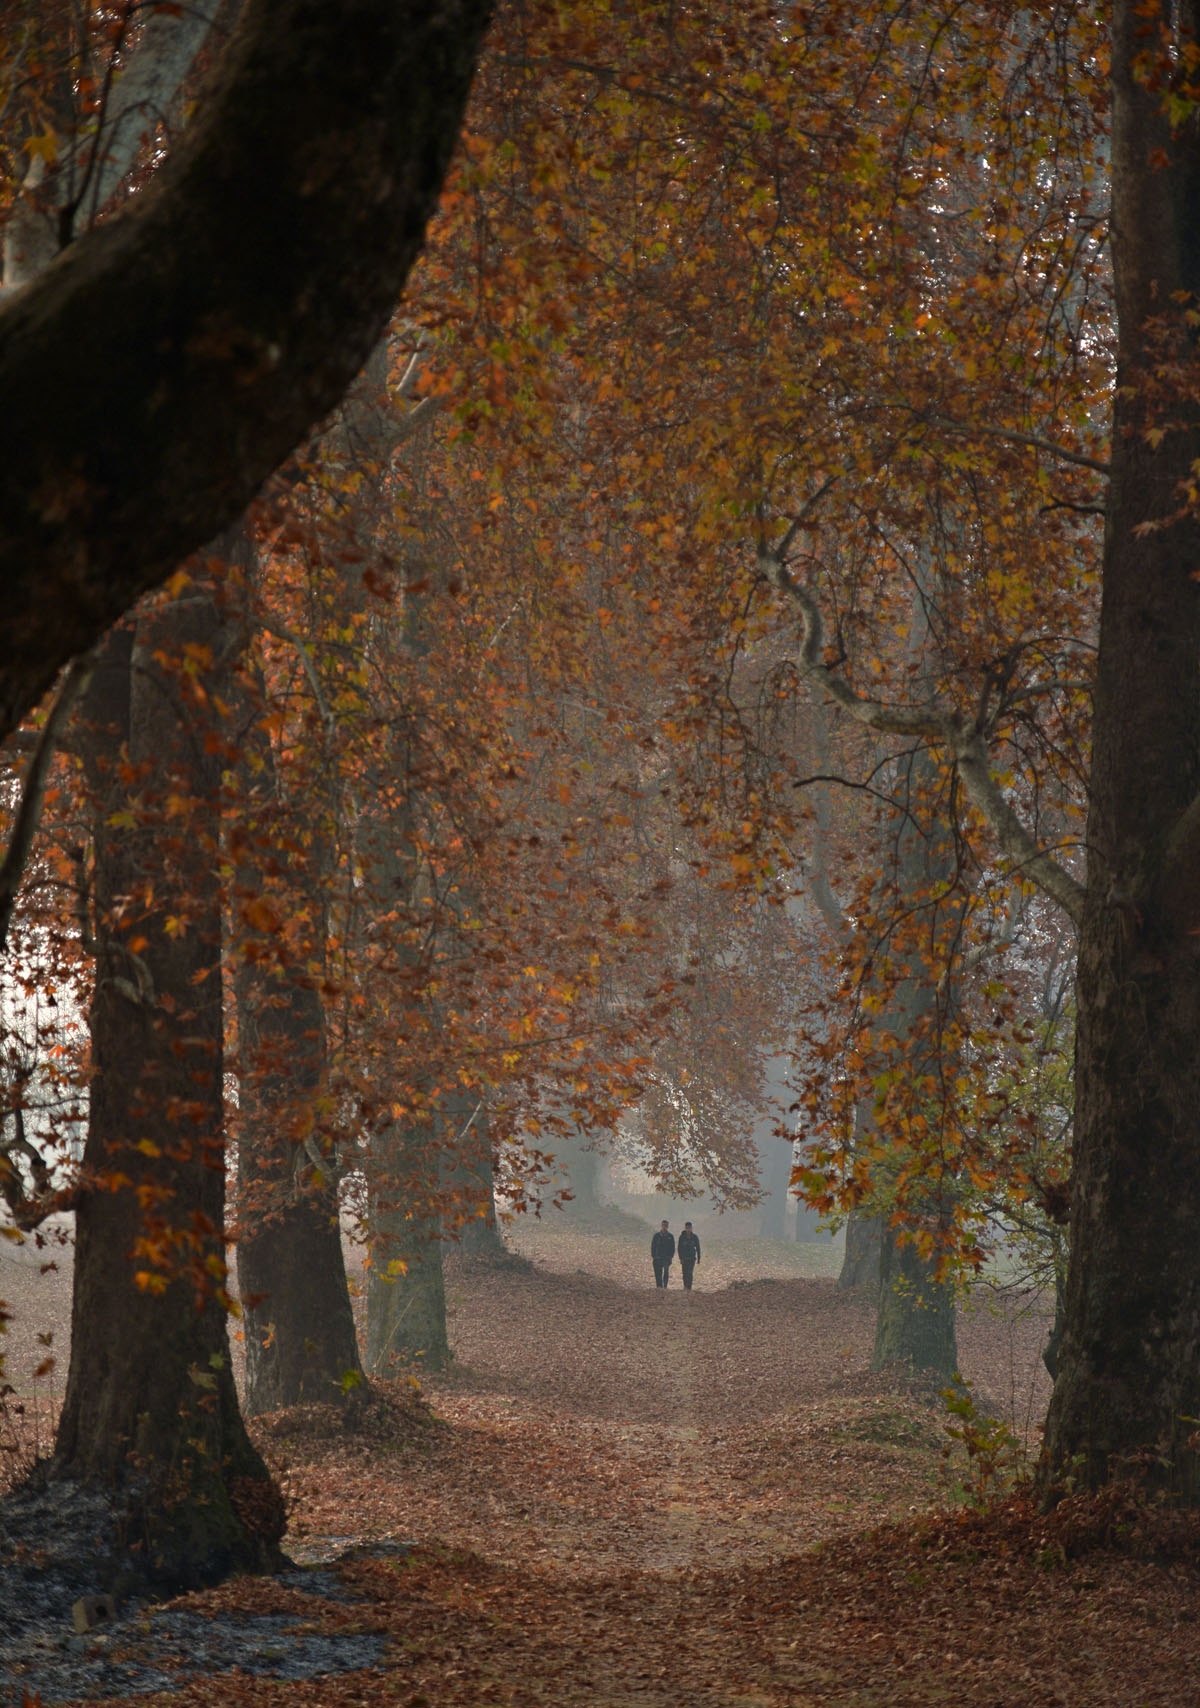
(170, 360)
(1129, 1360)
(150, 1403)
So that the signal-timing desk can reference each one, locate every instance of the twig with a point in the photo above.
(33, 792)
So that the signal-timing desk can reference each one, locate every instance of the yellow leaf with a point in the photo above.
(44, 147)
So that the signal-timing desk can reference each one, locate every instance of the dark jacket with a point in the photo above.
(662, 1247)
(689, 1249)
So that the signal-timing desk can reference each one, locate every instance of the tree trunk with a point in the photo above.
(301, 1344)
(581, 1162)
(861, 1260)
(1128, 1389)
(776, 1155)
(406, 1295)
(470, 1174)
(915, 1324)
(808, 1226)
(150, 1402)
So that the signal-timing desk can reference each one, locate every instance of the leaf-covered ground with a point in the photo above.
(622, 1499)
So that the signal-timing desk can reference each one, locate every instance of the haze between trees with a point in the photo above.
(792, 576)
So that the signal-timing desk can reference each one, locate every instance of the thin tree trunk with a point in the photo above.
(301, 1343)
(776, 1154)
(478, 1232)
(406, 1295)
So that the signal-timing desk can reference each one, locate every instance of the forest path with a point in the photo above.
(618, 1505)
(674, 1362)
(613, 1504)
(601, 1427)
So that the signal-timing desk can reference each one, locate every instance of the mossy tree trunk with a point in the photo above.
(406, 1294)
(915, 1324)
(915, 1321)
(861, 1263)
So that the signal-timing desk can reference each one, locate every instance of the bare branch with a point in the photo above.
(1067, 686)
(28, 1210)
(975, 429)
(937, 728)
(1020, 847)
(285, 634)
(140, 98)
(33, 791)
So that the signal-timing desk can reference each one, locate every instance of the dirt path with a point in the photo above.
(619, 1506)
(599, 1428)
(615, 1502)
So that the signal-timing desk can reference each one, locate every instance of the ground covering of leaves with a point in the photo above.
(622, 1499)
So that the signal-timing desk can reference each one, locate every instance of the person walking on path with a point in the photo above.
(689, 1254)
(662, 1251)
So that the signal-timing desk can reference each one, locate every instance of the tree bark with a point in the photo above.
(168, 361)
(776, 1155)
(150, 1403)
(1129, 1361)
(469, 1174)
(406, 1294)
(915, 1323)
(581, 1161)
(861, 1258)
(300, 1337)
(301, 1344)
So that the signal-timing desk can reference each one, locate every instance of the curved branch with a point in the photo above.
(1021, 849)
(165, 364)
(938, 729)
(976, 430)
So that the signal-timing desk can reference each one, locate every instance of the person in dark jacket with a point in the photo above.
(662, 1251)
(689, 1254)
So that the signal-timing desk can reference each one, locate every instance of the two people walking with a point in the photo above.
(663, 1250)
